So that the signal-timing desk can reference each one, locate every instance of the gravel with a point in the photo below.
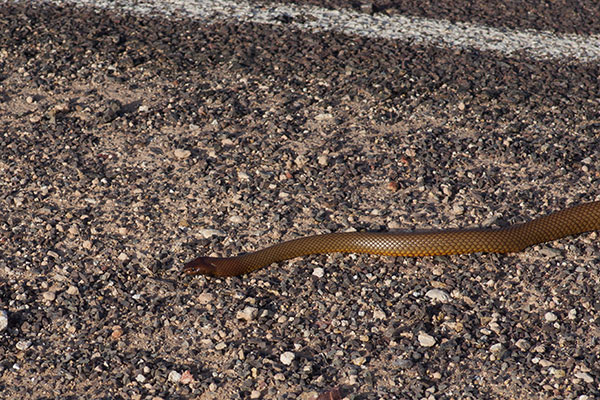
(3, 320)
(101, 205)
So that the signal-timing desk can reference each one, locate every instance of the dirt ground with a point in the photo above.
(131, 144)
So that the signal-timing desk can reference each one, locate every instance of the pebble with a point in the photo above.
(438, 295)
(255, 394)
(183, 223)
(359, 360)
(73, 290)
(243, 176)
(279, 377)
(205, 298)
(312, 395)
(187, 377)
(49, 296)
(403, 363)
(323, 160)
(248, 314)
(116, 333)
(523, 344)
(318, 272)
(550, 317)
(174, 376)
(425, 339)
(220, 346)
(557, 372)
(140, 378)
(496, 348)
(549, 252)
(3, 320)
(287, 357)
(23, 345)
(323, 117)
(123, 257)
(236, 219)
(587, 378)
(394, 225)
(182, 154)
(208, 233)
(458, 210)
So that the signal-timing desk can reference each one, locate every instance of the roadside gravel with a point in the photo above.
(129, 144)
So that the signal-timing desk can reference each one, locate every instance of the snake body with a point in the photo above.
(514, 238)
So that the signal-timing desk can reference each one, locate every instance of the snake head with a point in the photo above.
(200, 266)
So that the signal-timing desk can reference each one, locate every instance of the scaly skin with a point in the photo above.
(515, 238)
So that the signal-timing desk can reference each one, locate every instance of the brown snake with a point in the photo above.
(514, 238)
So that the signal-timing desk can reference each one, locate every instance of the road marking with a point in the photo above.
(536, 44)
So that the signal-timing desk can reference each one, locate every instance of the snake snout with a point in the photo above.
(200, 266)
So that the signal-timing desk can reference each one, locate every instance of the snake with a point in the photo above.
(508, 239)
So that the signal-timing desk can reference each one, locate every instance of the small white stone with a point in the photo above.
(242, 176)
(53, 254)
(572, 314)
(425, 339)
(323, 117)
(140, 378)
(23, 344)
(182, 154)
(248, 314)
(458, 210)
(3, 320)
(545, 363)
(236, 219)
(394, 225)
(318, 272)
(523, 344)
(73, 290)
(323, 160)
(550, 317)
(123, 257)
(205, 298)
(359, 360)
(220, 346)
(287, 357)
(557, 372)
(49, 296)
(496, 348)
(587, 378)
(87, 244)
(438, 295)
(255, 394)
(208, 233)
(301, 161)
(378, 314)
(174, 376)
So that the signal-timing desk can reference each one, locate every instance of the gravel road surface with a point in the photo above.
(131, 143)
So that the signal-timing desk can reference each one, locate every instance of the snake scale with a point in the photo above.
(510, 239)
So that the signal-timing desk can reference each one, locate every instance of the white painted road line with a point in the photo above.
(536, 44)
